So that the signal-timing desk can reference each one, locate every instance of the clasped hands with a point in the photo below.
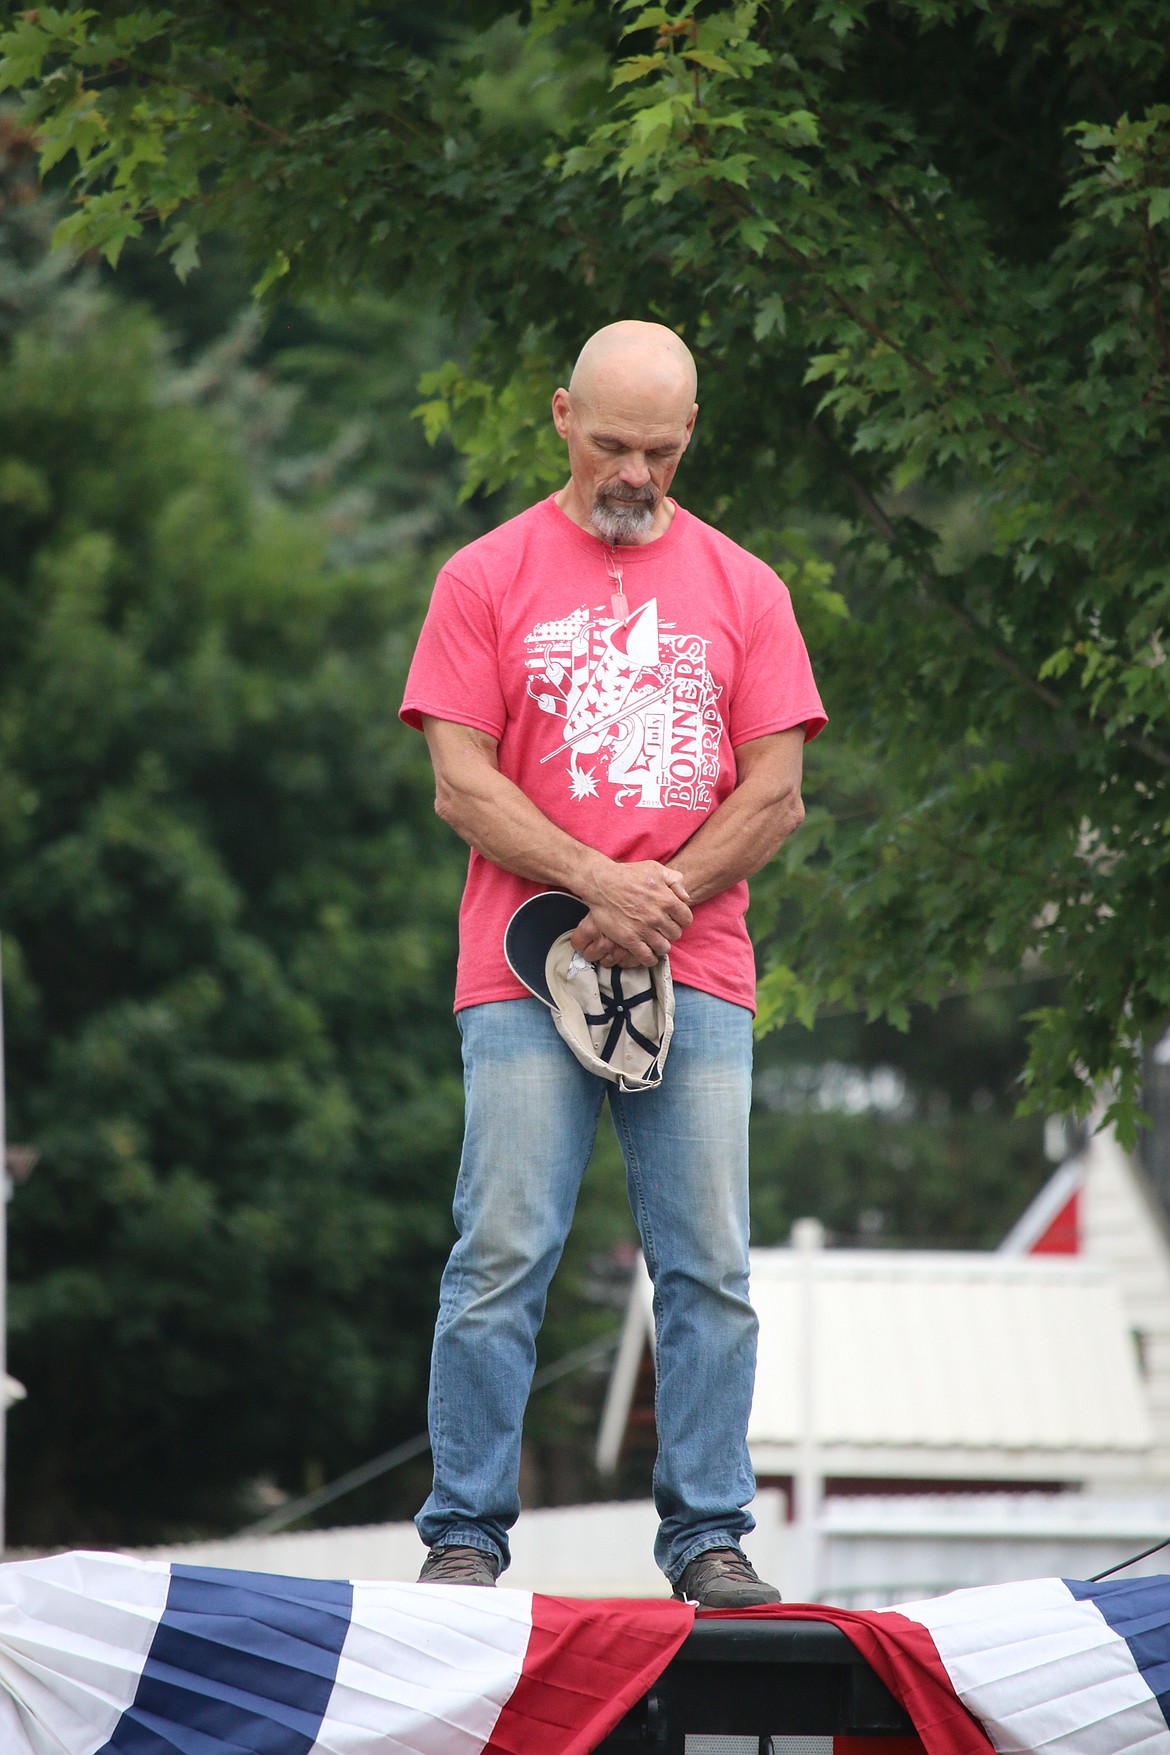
(636, 912)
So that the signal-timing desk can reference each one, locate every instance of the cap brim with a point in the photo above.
(532, 931)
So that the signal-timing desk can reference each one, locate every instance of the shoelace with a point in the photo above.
(729, 1564)
(457, 1564)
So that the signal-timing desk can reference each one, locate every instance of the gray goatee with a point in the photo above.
(626, 519)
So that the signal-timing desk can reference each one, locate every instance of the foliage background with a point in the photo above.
(227, 992)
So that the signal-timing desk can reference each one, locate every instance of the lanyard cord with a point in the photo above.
(617, 602)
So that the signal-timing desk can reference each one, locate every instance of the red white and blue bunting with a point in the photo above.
(101, 1654)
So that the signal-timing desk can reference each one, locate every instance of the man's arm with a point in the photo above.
(752, 824)
(640, 907)
(739, 837)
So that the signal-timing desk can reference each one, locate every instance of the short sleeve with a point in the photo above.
(455, 671)
(776, 688)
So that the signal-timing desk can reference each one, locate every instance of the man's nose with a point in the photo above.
(634, 470)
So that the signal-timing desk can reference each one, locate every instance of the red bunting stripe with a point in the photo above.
(586, 1665)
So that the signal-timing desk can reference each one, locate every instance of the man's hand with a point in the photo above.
(636, 913)
(596, 948)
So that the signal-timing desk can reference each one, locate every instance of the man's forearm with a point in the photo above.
(492, 815)
(753, 822)
(738, 838)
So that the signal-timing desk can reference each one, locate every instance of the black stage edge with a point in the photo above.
(760, 1680)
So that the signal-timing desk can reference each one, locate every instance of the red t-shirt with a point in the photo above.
(621, 734)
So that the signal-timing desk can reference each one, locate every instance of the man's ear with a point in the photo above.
(691, 424)
(561, 407)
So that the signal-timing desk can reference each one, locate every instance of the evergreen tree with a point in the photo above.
(227, 991)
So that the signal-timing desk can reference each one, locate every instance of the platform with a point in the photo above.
(766, 1687)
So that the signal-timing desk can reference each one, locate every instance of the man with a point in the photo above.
(615, 698)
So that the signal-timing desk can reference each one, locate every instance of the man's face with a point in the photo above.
(622, 457)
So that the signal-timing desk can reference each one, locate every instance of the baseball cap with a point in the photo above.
(618, 1022)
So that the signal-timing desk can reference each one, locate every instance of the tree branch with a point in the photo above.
(956, 293)
(999, 654)
(1156, 288)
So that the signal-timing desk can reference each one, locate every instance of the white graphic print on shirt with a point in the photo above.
(636, 705)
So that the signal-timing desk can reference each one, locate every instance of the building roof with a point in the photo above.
(923, 1364)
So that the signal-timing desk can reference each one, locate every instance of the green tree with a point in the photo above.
(320, 395)
(920, 250)
(898, 1137)
(227, 991)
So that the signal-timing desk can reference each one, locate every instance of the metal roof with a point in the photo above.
(928, 1364)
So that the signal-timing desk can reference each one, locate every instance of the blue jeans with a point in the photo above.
(532, 1113)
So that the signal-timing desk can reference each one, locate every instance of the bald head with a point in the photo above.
(635, 360)
(627, 417)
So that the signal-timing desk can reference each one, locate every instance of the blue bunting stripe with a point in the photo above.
(1135, 1608)
(240, 1661)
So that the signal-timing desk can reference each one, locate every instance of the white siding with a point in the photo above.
(949, 1353)
(1124, 1232)
(937, 1365)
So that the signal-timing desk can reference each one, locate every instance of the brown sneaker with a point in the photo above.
(723, 1578)
(457, 1565)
